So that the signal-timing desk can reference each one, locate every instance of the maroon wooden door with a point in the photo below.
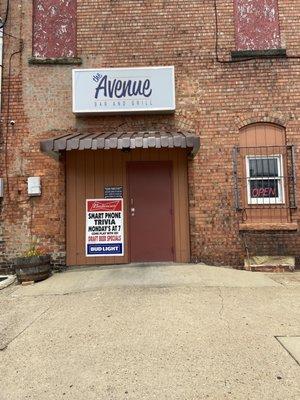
(150, 211)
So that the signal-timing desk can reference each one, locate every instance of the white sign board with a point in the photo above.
(123, 90)
(104, 227)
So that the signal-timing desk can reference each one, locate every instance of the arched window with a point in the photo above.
(264, 174)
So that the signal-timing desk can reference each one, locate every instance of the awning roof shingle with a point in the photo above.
(121, 140)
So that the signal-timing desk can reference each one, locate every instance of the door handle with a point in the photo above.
(132, 209)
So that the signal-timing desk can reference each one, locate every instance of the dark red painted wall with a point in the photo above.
(54, 28)
(256, 24)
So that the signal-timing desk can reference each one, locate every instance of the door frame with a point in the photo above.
(171, 171)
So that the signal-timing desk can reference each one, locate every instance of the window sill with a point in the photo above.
(268, 226)
(271, 53)
(55, 61)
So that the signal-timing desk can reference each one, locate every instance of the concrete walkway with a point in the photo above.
(175, 332)
(159, 275)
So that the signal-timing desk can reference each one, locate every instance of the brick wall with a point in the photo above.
(215, 99)
(25, 220)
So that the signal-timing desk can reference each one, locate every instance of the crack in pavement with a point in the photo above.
(286, 349)
(221, 310)
(4, 346)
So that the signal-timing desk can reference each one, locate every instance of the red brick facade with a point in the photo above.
(215, 99)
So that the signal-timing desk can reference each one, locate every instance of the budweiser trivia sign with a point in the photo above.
(104, 227)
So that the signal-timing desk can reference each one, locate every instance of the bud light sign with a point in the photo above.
(104, 227)
(123, 90)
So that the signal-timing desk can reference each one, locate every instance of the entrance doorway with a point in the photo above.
(163, 204)
(150, 211)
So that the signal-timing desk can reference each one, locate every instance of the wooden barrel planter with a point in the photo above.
(35, 268)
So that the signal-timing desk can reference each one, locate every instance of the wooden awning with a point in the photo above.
(121, 140)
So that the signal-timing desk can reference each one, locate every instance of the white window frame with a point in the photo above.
(266, 200)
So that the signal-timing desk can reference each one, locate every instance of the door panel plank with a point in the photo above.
(108, 179)
(71, 208)
(177, 195)
(90, 187)
(80, 208)
(183, 209)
